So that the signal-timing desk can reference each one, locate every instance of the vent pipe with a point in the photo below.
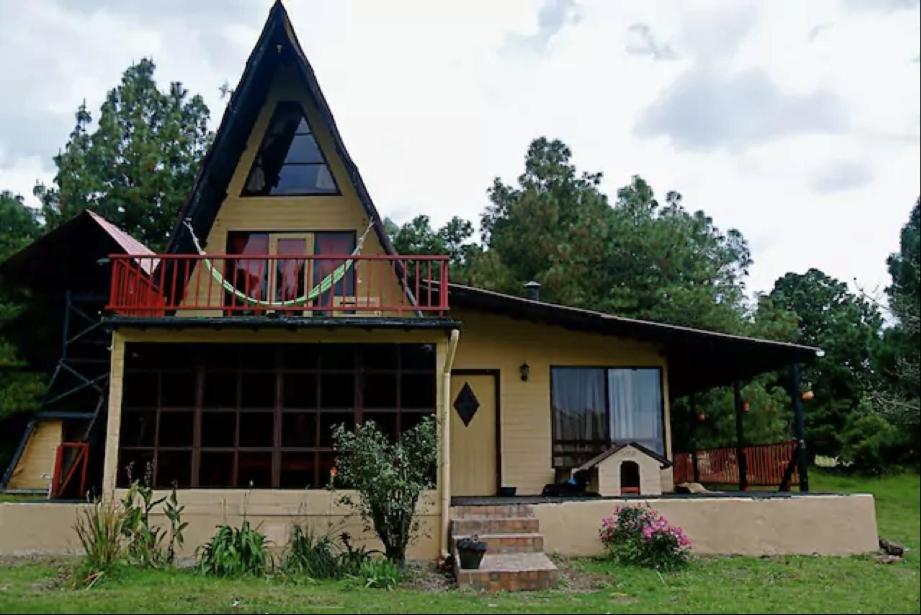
(532, 289)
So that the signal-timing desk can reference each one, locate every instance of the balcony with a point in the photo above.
(278, 285)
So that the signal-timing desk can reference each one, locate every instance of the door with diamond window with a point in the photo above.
(474, 454)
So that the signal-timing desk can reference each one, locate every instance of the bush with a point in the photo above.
(323, 556)
(389, 478)
(870, 444)
(380, 574)
(99, 530)
(145, 547)
(235, 552)
(640, 536)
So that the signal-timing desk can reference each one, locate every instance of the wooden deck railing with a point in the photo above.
(238, 284)
(766, 465)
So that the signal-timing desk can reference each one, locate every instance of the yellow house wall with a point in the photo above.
(498, 342)
(36, 465)
(343, 212)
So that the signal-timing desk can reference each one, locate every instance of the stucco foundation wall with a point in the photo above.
(47, 528)
(820, 524)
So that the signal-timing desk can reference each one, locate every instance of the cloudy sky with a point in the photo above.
(795, 122)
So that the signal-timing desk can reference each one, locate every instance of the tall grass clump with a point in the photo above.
(235, 551)
(100, 531)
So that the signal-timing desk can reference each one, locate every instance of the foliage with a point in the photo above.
(100, 532)
(847, 328)
(376, 573)
(389, 478)
(138, 164)
(870, 444)
(640, 536)
(145, 541)
(19, 224)
(235, 551)
(322, 556)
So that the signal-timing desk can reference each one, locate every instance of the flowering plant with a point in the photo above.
(635, 535)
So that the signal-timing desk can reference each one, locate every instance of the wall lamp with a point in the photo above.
(525, 371)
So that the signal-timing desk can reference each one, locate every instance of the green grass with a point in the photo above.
(731, 585)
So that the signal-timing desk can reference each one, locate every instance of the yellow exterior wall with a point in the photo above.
(342, 212)
(36, 465)
(498, 342)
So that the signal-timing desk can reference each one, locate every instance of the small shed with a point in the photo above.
(627, 469)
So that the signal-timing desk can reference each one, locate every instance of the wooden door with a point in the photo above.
(474, 434)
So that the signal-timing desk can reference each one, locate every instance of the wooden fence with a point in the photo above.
(766, 465)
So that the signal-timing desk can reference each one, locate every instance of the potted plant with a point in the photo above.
(471, 550)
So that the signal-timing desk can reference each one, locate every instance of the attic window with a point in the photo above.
(289, 161)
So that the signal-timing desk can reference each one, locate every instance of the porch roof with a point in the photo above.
(697, 359)
(281, 322)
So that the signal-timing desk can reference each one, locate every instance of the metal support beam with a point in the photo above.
(692, 441)
(740, 438)
(799, 425)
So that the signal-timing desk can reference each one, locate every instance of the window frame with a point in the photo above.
(316, 452)
(610, 440)
(279, 107)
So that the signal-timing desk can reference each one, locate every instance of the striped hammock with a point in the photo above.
(323, 286)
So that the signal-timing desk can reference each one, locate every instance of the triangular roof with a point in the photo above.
(588, 465)
(277, 44)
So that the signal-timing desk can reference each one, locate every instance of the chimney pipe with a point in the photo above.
(532, 289)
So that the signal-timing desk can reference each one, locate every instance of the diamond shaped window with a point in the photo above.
(466, 404)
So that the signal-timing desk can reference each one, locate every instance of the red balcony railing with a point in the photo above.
(245, 284)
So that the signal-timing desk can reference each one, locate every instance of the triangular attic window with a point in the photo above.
(289, 161)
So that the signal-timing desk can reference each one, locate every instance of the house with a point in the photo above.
(280, 309)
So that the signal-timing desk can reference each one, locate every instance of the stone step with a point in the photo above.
(499, 525)
(492, 511)
(529, 542)
(510, 572)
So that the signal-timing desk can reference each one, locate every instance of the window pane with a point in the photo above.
(337, 356)
(289, 272)
(138, 428)
(255, 469)
(141, 389)
(418, 391)
(334, 244)
(258, 390)
(178, 389)
(418, 356)
(299, 429)
(249, 276)
(134, 465)
(176, 428)
(337, 391)
(257, 429)
(174, 467)
(216, 470)
(386, 422)
(218, 429)
(300, 391)
(296, 179)
(379, 356)
(297, 470)
(220, 390)
(301, 356)
(635, 398)
(380, 391)
(330, 420)
(579, 414)
(303, 149)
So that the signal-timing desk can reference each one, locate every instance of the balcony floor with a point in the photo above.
(282, 322)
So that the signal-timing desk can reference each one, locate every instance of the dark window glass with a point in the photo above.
(379, 356)
(380, 391)
(218, 429)
(337, 356)
(327, 463)
(385, 421)
(408, 420)
(301, 356)
(176, 428)
(177, 389)
(216, 469)
(174, 468)
(418, 391)
(289, 160)
(257, 390)
(297, 470)
(135, 465)
(257, 429)
(299, 429)
(255, 470)
(300, 391)
(337, 390)
(141, 389)
(417, 356)
(329, 420)
(220, 390)
(138, 428)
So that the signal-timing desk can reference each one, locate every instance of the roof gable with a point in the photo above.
(277, 45)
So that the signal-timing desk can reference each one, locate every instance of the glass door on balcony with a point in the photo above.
(290, 279)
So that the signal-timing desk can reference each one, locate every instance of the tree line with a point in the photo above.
(633, 254)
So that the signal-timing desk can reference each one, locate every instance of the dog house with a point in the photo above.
(626, 469)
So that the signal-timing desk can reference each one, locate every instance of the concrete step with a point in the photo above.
(492, 511)
(529, 542)
(499, 525)
(510, 572)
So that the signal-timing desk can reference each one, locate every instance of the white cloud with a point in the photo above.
(434, 100)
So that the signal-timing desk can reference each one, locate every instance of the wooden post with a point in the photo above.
(692, 443)
(799, 425)
(740, 438)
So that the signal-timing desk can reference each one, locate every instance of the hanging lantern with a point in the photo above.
(701, 417)
(746, 407)
(808, 395)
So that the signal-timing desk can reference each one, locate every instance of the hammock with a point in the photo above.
(322, 287)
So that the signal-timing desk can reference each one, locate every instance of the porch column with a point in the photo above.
(113, 419)
(799, 425)
(740, 438)
(444, 444)
(692, 442)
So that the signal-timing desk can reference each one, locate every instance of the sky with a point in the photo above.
(798, 123)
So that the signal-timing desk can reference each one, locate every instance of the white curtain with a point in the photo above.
(635, 400)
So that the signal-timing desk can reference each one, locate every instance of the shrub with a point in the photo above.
(99, 530)
(870, 444)
(640, 536)
(380, 574)
(144, 541)
(312, 555)
(234, 552)
(389, 478)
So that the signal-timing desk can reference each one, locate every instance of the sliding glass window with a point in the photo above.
(594, 408)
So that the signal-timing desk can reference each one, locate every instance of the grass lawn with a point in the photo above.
(731, 585)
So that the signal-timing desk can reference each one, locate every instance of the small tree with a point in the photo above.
(389, 478)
